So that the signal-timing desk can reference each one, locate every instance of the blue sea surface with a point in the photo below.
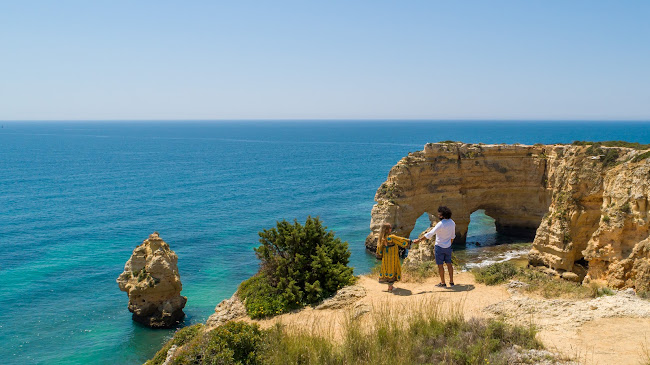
(77, 197)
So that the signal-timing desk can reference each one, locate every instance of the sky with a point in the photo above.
(150, 60)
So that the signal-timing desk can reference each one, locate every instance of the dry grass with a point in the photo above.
(423, 332)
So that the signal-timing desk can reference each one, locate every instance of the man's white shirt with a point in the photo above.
(445, 231)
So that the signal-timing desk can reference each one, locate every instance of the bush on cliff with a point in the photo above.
(300, 265)
(232, 343)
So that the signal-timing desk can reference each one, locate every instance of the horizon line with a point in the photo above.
(330, 120)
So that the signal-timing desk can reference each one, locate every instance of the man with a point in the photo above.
(445, 232)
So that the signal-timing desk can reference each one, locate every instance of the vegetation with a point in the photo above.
(641, 157)
(625, 208)
(300, 265)
(425, 336)
(610, 158)
(537, 282)
(495, 274)
(181, 337)
(635, 145)
(606, 218)
(390, 192)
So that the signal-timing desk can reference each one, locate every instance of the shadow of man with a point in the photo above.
(461, 287)
(401, 292)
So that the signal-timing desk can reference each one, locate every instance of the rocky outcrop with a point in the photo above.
(344, 297)
(153, 284)
(227, 310)
(586, 206)
(505, 180)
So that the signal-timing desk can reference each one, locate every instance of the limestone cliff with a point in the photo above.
(586, 206)
(153, 284)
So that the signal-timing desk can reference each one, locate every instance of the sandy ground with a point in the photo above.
(610, 330)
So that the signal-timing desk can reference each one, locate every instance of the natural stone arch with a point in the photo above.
(587, 203)
(507, 181)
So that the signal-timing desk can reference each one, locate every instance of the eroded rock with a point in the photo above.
(587, 208)
(227, 310)
(344, 297)
(153, 284)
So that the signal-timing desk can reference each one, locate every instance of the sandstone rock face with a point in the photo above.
(227, 310)
(505, 180)
(587, 208)
(153, 284)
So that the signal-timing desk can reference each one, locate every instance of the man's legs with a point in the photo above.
(450, 268)
(441, 272)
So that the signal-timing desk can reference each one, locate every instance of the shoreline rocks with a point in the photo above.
(153, 284)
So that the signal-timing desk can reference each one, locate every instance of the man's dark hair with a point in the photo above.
(446, 212)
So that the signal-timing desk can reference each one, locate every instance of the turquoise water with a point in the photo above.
(77, 197)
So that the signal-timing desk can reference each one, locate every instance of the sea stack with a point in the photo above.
(153, 284)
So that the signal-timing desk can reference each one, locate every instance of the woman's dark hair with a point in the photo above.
(446, 212)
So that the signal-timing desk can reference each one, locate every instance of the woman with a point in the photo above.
(388, 250)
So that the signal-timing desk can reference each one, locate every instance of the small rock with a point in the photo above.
(570, 276)
(343, 297)
(170, 355)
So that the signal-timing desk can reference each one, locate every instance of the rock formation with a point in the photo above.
(153, 284)
(227, 310)
(586, 206)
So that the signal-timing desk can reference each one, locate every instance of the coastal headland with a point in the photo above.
(586, 204)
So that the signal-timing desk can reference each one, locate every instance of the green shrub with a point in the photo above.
(537, 282)
(599, 291)
(625, 208)
(182, 336)
(635, 145)
(262, 299)
(606, 218)
(231, 343)
(641, 157)
(610, 158)
(495, 274)
(300, 265)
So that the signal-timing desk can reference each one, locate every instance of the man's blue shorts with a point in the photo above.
(442, 255)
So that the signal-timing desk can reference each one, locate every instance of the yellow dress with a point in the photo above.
(391, 270)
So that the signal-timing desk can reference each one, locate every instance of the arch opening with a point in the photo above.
(421, 224)
(482, 230)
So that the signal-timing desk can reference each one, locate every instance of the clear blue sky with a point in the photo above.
(324, 60)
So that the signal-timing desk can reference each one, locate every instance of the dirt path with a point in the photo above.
(607, 330)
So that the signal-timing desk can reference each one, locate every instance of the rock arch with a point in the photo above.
(507, 181)
(586, 206)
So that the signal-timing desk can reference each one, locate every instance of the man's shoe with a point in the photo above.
(441, 285)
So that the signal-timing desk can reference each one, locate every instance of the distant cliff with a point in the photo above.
(585, 205)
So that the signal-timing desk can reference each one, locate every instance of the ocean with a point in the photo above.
(77, 197)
